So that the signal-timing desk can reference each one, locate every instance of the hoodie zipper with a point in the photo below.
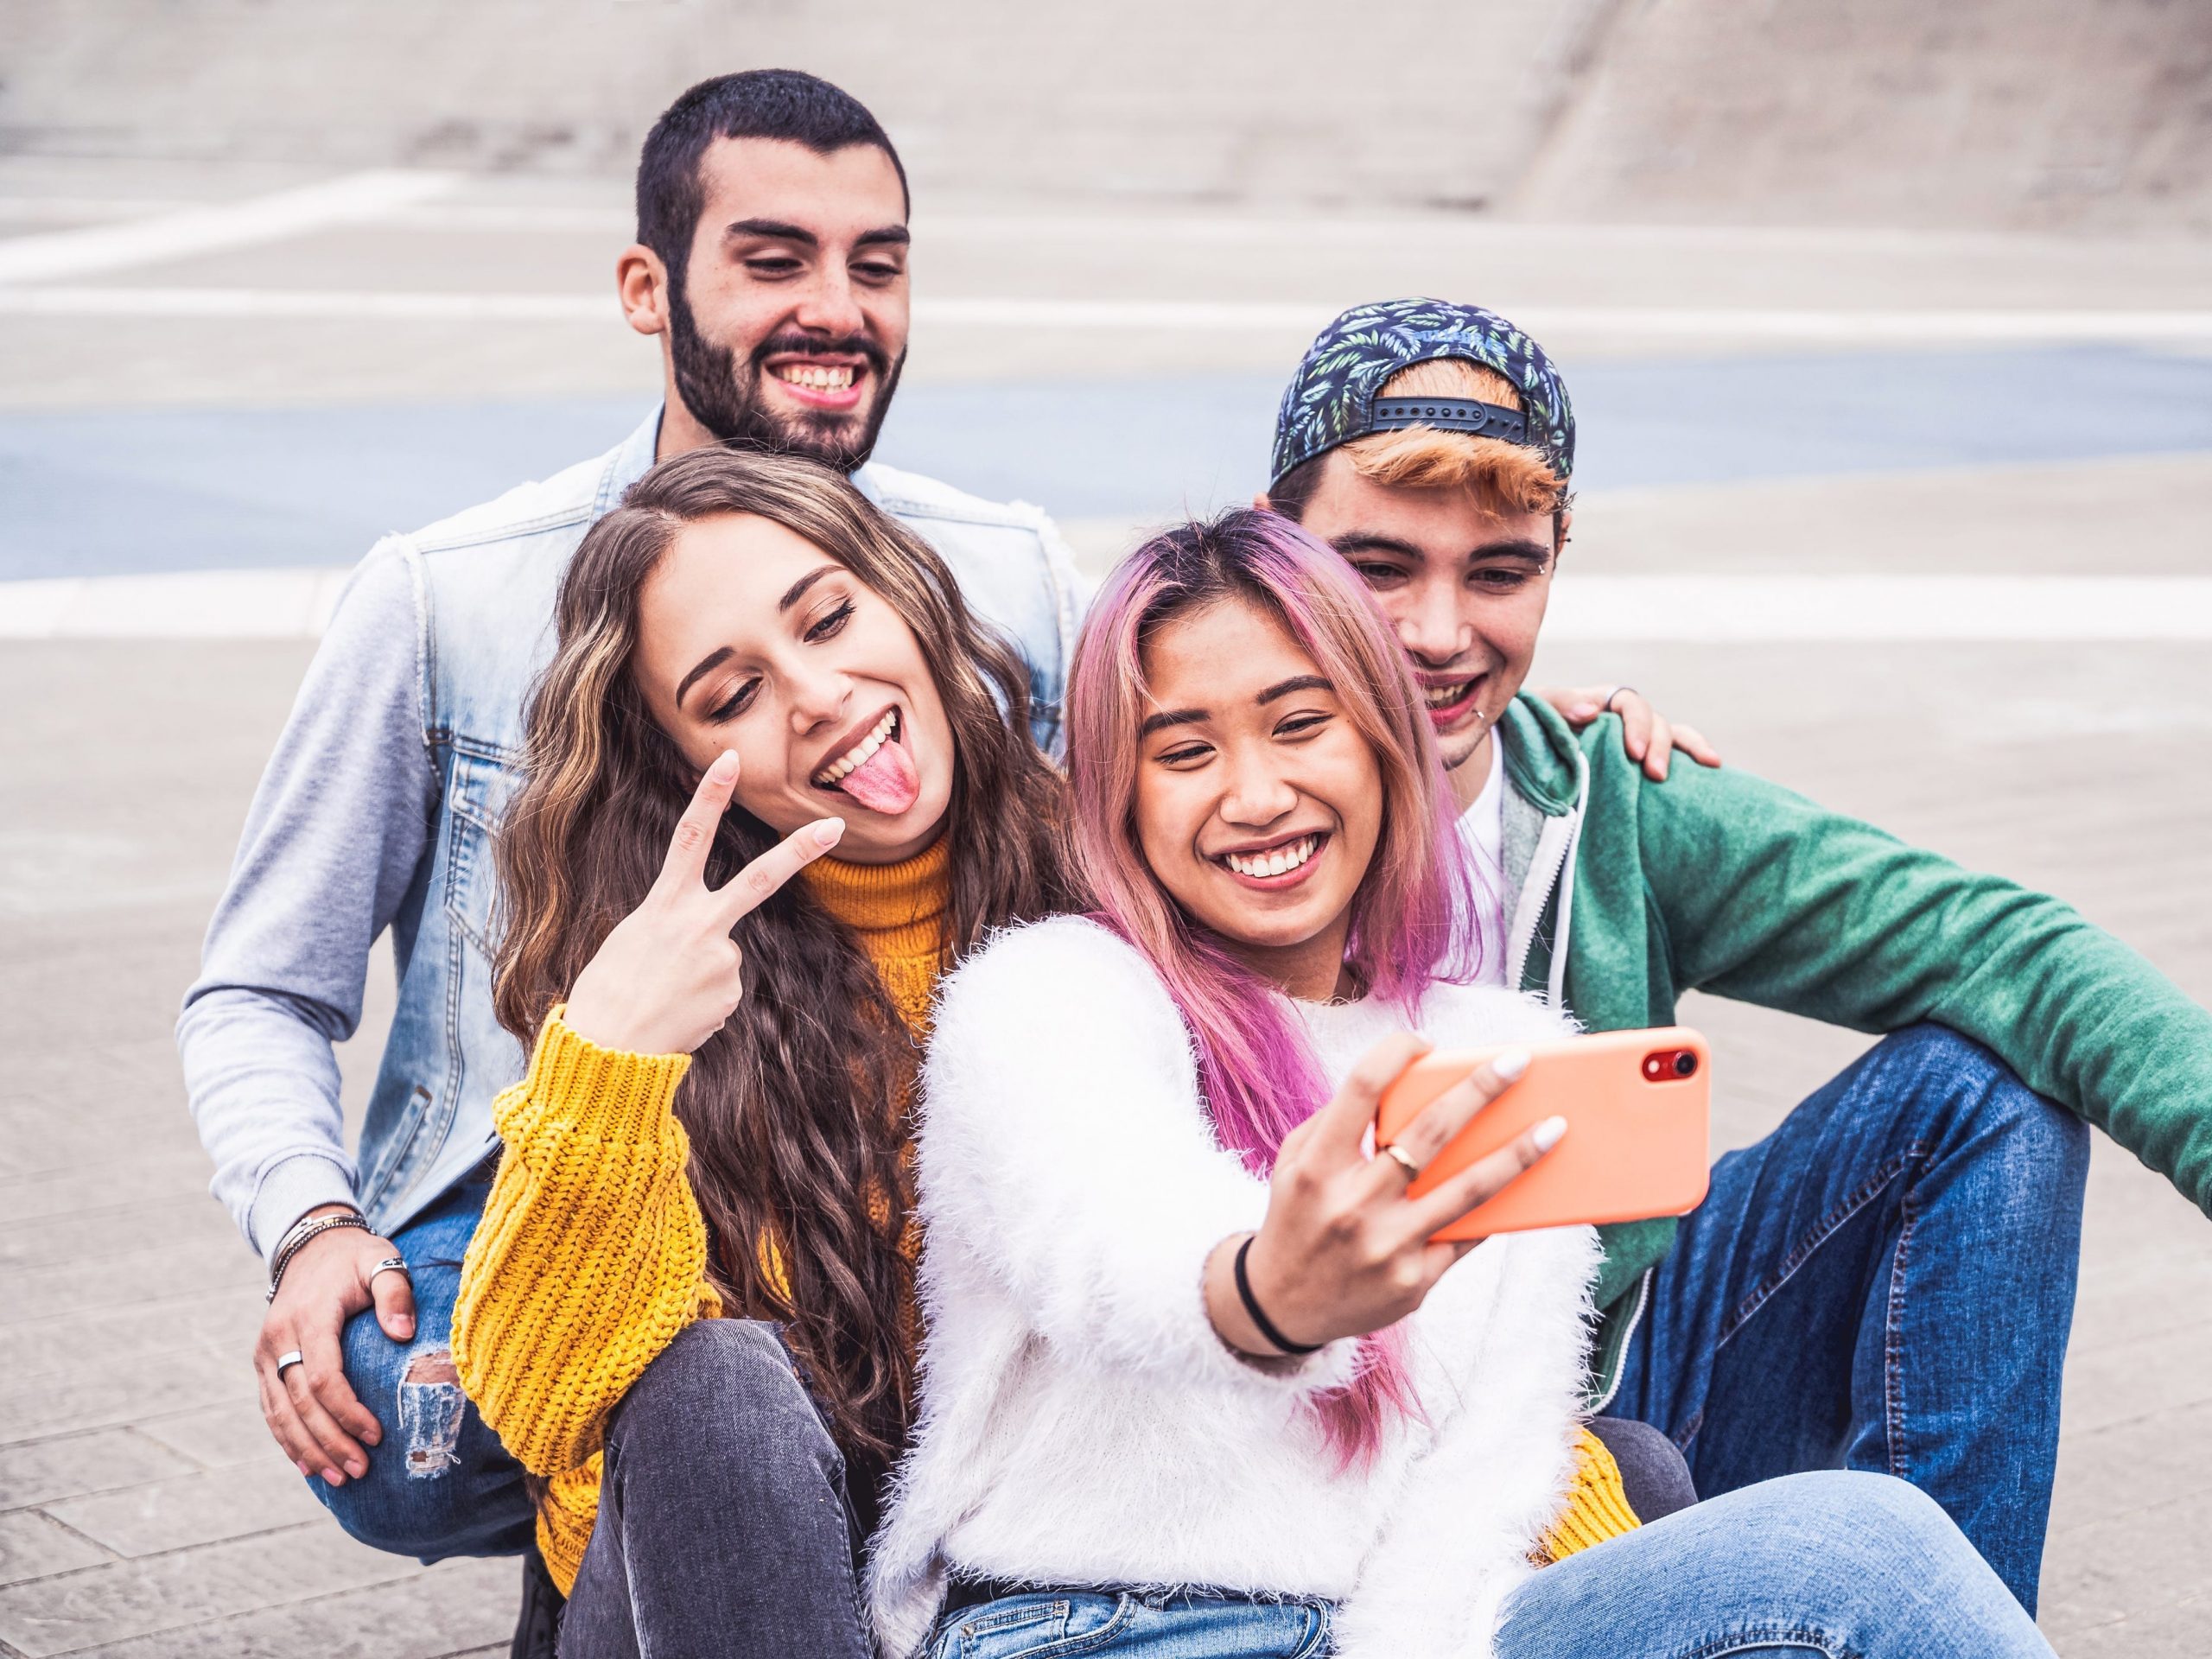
(1552, 869)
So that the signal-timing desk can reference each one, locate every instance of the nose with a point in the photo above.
(1257, 793)
(1429, 626)
(830, 305)
(815, 696)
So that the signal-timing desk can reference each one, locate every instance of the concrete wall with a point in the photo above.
(2050, 113)
(2043, 114)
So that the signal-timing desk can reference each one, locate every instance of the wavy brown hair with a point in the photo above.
(794, 1108)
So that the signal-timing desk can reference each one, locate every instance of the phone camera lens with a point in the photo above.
(1685, 1064)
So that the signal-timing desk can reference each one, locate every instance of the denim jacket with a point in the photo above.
(376, 813)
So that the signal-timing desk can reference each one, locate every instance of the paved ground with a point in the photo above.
(143, 1510)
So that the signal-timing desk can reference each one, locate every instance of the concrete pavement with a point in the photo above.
(143, 1510)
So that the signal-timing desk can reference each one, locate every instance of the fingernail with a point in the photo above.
(374, 1437)
(1545, 1134)
(724, 766)
(405, 1322)
(828, 832)
(357, 1468)
(305, 1473)
(1511, 1064)
(1583, 711)
(333, 1478)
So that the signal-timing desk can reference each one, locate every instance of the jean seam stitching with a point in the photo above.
(1893, 1334)
(1762, 1636)
(1821, 1232)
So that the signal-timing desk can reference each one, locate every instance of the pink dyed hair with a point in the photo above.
(1412, 915)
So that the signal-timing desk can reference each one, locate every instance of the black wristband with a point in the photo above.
(1265, 1326)
(298, 1234)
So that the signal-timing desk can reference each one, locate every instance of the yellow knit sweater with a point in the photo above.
(592, 1254)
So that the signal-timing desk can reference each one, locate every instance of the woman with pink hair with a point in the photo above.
(1194, 1380)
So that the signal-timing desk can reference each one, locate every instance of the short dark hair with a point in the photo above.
(786, 104)
(1292, 494)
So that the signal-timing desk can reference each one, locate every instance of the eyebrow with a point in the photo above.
(1168, 717)
(1361, 541)
(715, 658)
(1295, 682)
(777, 229)
(797, 591)
(707, 665)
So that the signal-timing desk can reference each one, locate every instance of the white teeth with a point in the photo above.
(1443, 696)
(1278, 861)
(861, 753)
(816, 377)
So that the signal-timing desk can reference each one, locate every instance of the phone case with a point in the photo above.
(1635, 1146)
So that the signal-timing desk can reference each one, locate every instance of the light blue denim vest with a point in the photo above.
(486, 582)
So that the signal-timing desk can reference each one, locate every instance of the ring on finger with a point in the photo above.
(1398, 1155)
(285, 1362)
(390, 1264)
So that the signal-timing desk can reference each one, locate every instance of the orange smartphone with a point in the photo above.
(1636, 1105)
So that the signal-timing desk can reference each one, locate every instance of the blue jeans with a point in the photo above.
(440, 1484)
(1184, 1625)
(1884, 1283)
(1841, 1565)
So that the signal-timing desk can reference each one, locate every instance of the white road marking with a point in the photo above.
(1737, 610)
(1140, 316)
(1772, 609)
(180, 604)
(335, 305)
(95, 248)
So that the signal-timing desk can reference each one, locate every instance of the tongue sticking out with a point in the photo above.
(885, 782)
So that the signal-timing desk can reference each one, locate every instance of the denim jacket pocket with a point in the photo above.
(393, 1155)
(477, 789)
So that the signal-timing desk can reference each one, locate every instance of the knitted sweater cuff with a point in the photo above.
(1597, 1506)
(601, 1094)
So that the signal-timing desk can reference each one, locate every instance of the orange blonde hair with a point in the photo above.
(1506, 478)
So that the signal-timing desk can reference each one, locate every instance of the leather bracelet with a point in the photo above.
(298, 1234)
(1260, 1322)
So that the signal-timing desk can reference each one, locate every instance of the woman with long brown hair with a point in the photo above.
(754, 666)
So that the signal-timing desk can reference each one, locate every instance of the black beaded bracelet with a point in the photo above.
(298, 1234)
(1264, 1324)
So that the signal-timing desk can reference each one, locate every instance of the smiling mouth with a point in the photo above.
(884, 731)
(817, 377)
(1270, 863)
(876, 770)
(1447, 701)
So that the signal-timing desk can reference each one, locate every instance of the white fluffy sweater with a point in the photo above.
(1079, 1419)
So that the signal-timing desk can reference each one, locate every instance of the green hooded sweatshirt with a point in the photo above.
(1716, 881)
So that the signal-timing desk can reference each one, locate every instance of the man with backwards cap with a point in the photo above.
(1886, 1282)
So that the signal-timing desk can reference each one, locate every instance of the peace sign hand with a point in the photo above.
(669, 974)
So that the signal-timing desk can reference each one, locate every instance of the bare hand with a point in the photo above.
(1343, 1250)
(669, 974)
(1646, 734)
(311, 1409)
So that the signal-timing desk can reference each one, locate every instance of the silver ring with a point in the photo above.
(390, 1264)
(285, 1362)
(1398, 1155)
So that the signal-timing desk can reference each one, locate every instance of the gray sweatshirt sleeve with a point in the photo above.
(337, 834)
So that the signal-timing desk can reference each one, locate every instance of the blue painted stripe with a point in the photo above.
(104, 492)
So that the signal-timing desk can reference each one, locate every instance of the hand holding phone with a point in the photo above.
(1637, 1106)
